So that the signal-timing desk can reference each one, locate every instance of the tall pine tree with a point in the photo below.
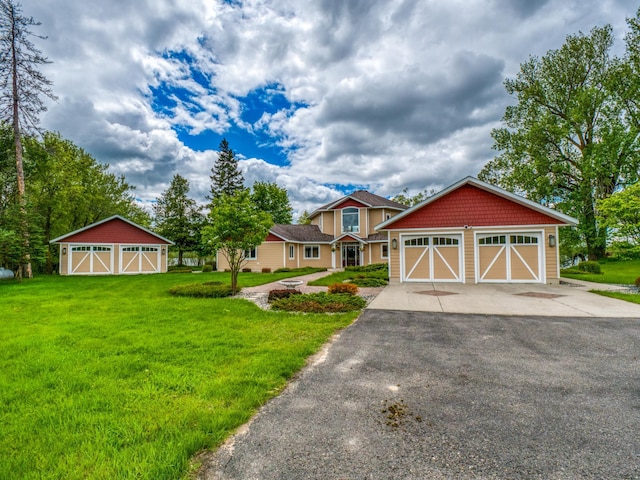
(226, 178)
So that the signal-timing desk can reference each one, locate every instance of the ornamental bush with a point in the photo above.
(207, 269)
(282, 293)
(320, 303)
(362, 281)
(589, 267)
(202, 290)
(266, 270)
(348, 288)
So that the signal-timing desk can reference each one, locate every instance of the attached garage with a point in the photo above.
(110, 247)
(473, 232)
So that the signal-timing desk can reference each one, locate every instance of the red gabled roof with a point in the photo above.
(349, 202)
(113, 230)
(476, 204)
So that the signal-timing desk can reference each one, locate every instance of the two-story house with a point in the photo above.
(342, 233)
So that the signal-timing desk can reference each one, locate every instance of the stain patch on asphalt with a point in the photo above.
(436, 293)
(539, 295)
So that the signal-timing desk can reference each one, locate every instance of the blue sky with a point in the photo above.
(319, 97)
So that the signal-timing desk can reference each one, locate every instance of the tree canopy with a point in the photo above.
(570, 139)
(271, 198)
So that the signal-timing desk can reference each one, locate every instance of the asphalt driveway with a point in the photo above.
(406, 395)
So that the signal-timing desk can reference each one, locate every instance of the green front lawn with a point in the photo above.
(628, 297)
(618, 272)
(112, 377)
(376, 271)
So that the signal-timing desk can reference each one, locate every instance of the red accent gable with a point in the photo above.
(273, 238)
(349, 202)
(349, 238)
(115, 231)
(470, 205)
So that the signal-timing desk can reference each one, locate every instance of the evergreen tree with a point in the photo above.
(226, 178)
(178, 217)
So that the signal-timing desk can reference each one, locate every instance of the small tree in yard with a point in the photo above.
(236, 226)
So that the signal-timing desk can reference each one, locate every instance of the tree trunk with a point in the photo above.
(24, 271)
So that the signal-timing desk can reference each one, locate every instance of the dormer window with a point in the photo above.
(350, 220)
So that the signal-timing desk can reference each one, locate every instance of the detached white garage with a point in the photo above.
(110, 247)
(473, 232)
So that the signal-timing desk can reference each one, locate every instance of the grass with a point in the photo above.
(617, 272)
(350, 273)
(629, 297)
(111, 377)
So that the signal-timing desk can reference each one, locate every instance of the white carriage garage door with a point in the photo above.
(432, 258)
(509, 257)
(139, 259)
(91, 260)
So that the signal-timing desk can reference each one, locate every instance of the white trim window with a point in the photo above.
(251, 254)
(311, 252)
(384, 250)
(350, 220)
(292, 252)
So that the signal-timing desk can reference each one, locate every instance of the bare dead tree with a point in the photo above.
(22, 87)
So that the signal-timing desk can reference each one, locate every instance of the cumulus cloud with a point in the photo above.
(382, 94)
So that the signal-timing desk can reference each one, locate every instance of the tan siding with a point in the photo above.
(376, 253)
(394, 256)
(469, 257)
(64, 259)
(551, 255)
(375, 217)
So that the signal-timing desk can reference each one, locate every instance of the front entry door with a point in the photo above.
(350, 255)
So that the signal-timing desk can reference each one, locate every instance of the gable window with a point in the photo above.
(292, 252)
(311, 251)
(251, 254)
(351, 220)
(384, 251)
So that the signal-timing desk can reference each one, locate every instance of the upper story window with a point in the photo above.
(351, 220)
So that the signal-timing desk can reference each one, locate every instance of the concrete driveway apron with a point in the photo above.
(567, 300)
(419, 395)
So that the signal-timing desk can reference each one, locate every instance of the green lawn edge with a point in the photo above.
(111, 377)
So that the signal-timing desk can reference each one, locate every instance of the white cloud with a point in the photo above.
(393, 94)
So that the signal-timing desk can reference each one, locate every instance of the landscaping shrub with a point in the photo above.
(246, 270)
(301, 270)
(282, 293)
(362, 281)
(266, 270)
(179, 269)
(589, 267)
(320, 303)
(207, 269)
(283, 270)
(348, 288)
(202, 290)
(637, 282)
(368, 268)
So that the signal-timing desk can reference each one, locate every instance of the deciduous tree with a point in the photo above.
(236, 226)
(569, 140)
(271, 198)
(621, 213)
